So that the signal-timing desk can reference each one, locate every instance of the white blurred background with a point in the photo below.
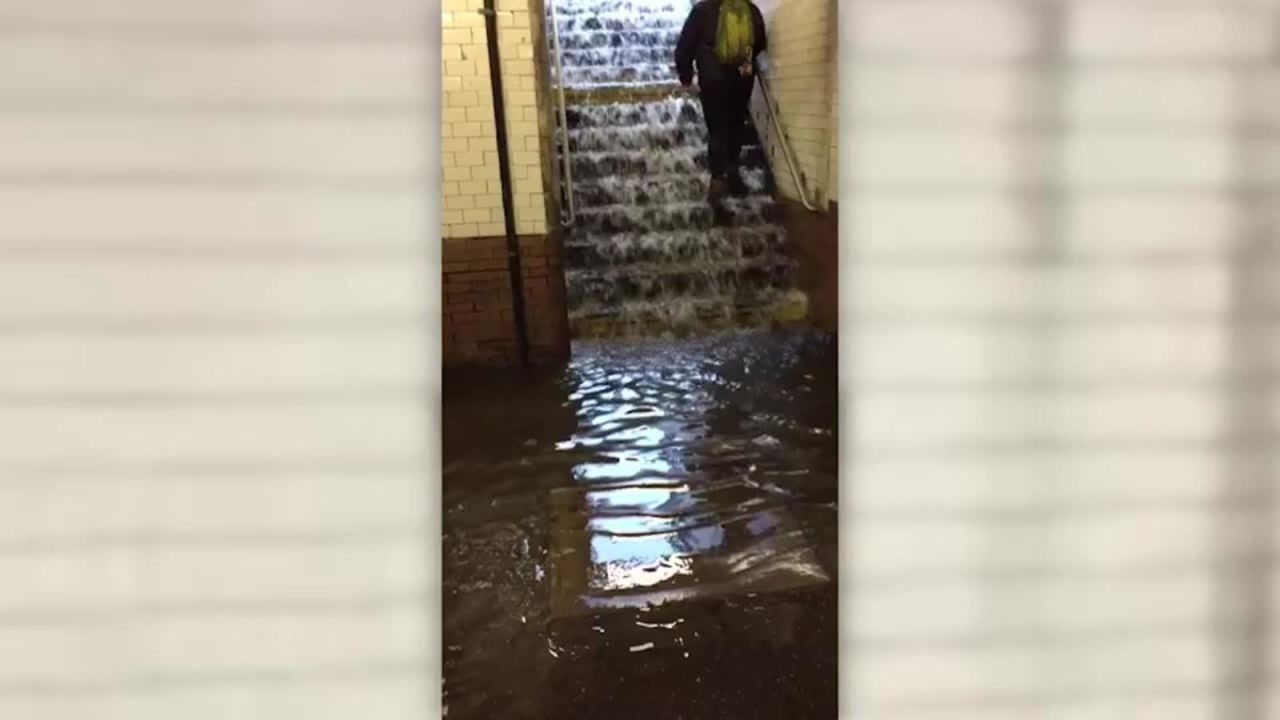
(216, 224)
(1060, 285)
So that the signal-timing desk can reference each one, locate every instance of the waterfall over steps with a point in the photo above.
(646, 255)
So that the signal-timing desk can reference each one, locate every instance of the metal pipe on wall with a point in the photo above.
(504, 176)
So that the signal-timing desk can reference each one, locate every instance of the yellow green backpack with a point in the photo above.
(735, 32)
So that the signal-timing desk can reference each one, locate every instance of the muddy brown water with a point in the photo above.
(649, 532)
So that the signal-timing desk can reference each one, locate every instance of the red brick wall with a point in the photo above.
(479, 325)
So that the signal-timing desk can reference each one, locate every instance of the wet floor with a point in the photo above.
(649, 532)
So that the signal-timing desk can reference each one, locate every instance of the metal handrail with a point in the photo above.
(786, 143)
(565, 155)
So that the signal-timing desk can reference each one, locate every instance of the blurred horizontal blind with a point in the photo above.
(1060, 261)
(213, 224)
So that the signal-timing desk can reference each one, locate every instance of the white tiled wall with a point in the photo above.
(472, 193)
(212, 491)
(801, 48)
(1060, 268)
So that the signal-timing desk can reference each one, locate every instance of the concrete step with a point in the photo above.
(590, 166)
(623, 75)
(682, 108)
(656, 137)
(621, 22)
(735, 281)
(715, 245)
(609, 94)
(585, 8)
(689, 317)
(676, 217)
(637, 137)
(650, 190)
(658, 38)
(641, 55)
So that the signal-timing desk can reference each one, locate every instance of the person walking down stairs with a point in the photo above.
(723, 40)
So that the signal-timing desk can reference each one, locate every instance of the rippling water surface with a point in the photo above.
(649, 532)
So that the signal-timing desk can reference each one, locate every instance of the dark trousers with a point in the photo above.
(725, 104)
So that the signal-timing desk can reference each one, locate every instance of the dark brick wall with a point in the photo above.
(813, 240)
(479, 324)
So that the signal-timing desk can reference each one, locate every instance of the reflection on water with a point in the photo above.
(626, 502)
(638, 561)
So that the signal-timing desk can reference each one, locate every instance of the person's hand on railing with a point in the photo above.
(762, 63)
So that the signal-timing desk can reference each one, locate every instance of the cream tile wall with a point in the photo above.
(801, 42)
(472, 195)
(833, 123)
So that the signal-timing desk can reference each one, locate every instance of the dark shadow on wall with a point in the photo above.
(813, 242)
(1246, 590)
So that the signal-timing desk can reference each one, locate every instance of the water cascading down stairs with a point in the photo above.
(646, 255)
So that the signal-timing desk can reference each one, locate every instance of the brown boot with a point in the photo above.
(715, 191)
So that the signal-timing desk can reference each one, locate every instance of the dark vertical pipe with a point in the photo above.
(504, 176)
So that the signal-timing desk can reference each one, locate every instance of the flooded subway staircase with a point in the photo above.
(650, 531)
(650, 521)
(646, 255)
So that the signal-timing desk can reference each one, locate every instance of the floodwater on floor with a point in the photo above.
(649, 532)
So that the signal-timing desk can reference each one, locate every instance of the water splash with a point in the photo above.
(647, 255)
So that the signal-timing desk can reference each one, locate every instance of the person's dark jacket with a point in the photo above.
(697, 44)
